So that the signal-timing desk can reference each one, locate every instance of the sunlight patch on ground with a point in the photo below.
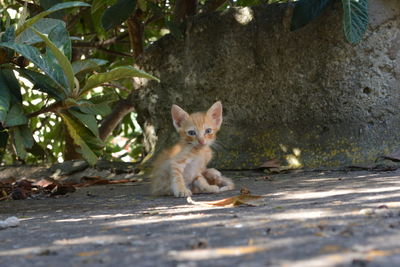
(94, 217)
(378, 197)
(330, 193)
(27, 251)
(303, 214)
(157, 219)
(98, 240)
(234, 251)
(333, 259)
(181, 209)
(214, 253)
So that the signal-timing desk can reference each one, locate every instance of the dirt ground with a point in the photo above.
(309, 219)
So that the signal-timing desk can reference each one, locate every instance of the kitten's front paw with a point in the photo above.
(183, 192)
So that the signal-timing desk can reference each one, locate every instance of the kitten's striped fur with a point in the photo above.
(182, 169)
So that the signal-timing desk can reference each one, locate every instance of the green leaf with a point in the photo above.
(87, 64)
(60, 37)
(33, 55)
(4, 100)
(43, 14)
(9, 34)
(23, 139)
(3, 141)
(118, 13)
(102, 109)
(88, 120)
(83, 138)
(44, 26)
(11, 82)
(18, 142)
(355, 19)
(46, 4)
(43, 83)
(115, 74)
(16, 116)
(305, 11)
(61, 58)
(27, 137)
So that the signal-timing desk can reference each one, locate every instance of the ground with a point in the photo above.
(325, 218)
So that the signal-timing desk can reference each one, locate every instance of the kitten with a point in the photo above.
(181, 170)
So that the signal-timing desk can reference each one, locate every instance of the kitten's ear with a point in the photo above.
(178, 116)
(215, 113)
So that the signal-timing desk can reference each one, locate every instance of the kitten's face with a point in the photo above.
(199, 128)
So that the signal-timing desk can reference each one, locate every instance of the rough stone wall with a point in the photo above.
(306, 96)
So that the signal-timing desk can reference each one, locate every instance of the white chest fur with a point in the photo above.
(193, 167)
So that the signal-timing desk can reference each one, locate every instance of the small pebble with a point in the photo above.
(367, 211)
(9, 222)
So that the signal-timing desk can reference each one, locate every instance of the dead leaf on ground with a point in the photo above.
(88, 253)
(19, 193)
(62, 190)
(273, 163)
(97, 180)
(24, 184)
(8, 181)
(245, 200)
(330, 249)
(47, 183)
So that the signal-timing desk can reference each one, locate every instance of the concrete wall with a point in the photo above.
(306, 96)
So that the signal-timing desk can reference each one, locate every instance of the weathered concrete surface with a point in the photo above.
(307, 96)
(310, 219)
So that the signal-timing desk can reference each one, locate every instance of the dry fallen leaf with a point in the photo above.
(273, 163)
(330, 249)
(47, 183)
(88, 253)
(246, 200)
(19, 193)
(97, 180)
(62, 190)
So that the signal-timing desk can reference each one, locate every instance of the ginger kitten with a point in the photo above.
(182, 169)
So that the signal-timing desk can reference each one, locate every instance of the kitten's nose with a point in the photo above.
(202, 141)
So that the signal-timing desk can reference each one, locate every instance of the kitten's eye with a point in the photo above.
(191, 132)
(208, 130)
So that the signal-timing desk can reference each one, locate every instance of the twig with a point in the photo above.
(52, 108)
(108, 51)
(116, 53)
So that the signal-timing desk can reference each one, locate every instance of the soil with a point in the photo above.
(325, 218)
